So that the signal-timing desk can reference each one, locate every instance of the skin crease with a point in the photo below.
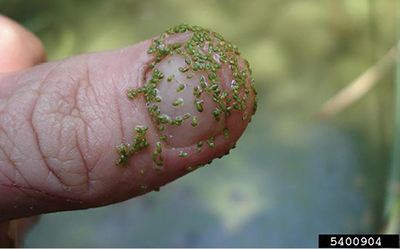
(60, 123)
(19, 49)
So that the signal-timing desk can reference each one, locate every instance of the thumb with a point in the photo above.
(100, 128)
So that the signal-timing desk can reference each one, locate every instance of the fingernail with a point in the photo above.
(196, 82)
(197, 88)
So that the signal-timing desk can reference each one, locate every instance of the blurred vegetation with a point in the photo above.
(292, 176)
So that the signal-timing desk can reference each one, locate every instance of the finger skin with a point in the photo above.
(60, 123)
(19, 48)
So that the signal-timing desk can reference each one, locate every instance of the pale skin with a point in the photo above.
(60, 123)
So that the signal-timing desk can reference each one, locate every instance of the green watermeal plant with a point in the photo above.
(206, 54)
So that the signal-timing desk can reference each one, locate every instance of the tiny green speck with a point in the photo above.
(143, 188)
(194, 121)
(169, 79)
(177, 102)
(180, 88)
(183, 154)
(183, 69)
(199, 105)
(211, 144)
(226, 134)
(132, 94)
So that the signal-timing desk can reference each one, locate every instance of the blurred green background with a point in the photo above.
(292, 175)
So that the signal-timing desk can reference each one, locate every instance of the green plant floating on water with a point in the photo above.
(194, 83)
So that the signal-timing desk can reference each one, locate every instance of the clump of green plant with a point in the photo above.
(205, 52)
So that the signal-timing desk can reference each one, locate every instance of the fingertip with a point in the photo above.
(19, 48)
(199, 94)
